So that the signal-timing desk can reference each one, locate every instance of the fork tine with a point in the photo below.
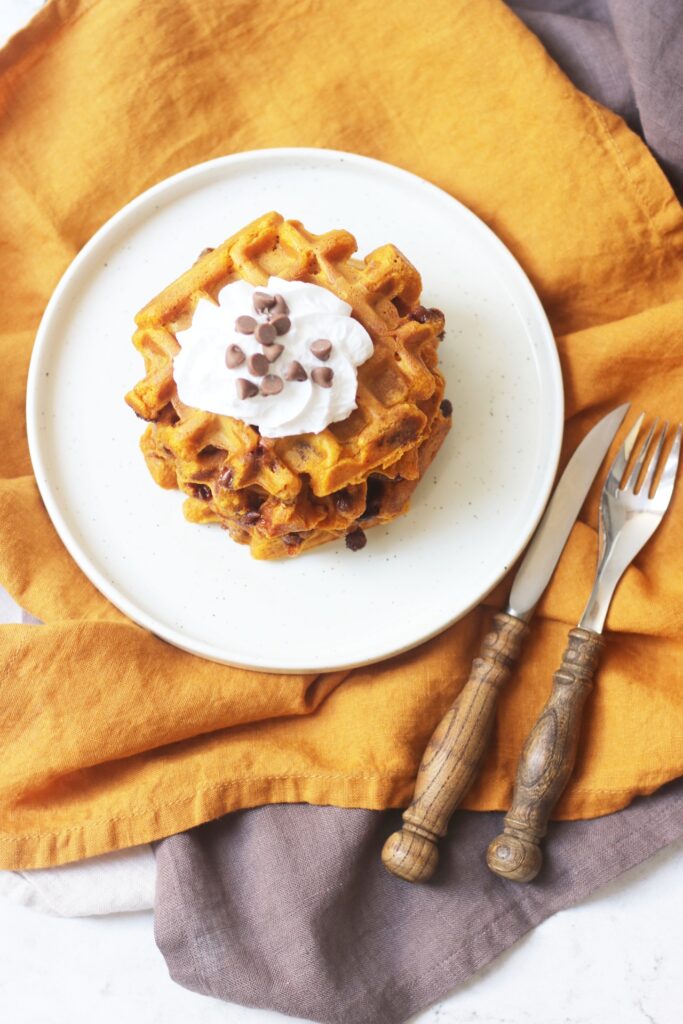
(630, 484)
(624, 454)
(666, 484)
(653, 463)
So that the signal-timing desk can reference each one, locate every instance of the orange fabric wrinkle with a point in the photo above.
(111, 737)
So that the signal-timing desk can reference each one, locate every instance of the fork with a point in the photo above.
(629, 515)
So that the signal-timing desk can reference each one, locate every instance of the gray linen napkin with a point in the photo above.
(289, 907)
(627, 55)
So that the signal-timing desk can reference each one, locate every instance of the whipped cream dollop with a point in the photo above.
(205, 381)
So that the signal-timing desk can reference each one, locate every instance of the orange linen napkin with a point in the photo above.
(110, 737)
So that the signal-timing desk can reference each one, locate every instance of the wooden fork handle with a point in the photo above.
(547, 761)
(454, 754)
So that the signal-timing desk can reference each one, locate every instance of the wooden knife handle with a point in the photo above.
(454, 754)
(546, 762)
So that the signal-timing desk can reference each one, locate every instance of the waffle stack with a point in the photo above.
(283, 496)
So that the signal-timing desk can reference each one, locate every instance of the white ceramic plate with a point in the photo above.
(471, 515)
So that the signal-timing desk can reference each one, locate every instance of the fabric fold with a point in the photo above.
(116, 883)
(245, 913)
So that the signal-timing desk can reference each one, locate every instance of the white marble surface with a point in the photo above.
(616, 959)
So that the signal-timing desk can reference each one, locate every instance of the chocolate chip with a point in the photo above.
(245, 388)
(423, 315)
(397, 438)
(201, 491)
(321, 349)
(266, 334)
(257, 364)
(281, 323)
(293, 540)
(226, 478)
(446, 408)
(234, 356)
(273, 352)
(271, 385)
(295, 371)
(343, 500)
(279, 307)
(356, 540)
(249, 518)
(322, 375)
(245, 324)
(263, 301)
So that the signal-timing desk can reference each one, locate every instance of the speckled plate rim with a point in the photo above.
(131, 210)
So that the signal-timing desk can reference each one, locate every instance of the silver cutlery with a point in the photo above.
(629, 515)
(457, 747)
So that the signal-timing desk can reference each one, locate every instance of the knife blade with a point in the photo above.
(457, 747)
(550, 537)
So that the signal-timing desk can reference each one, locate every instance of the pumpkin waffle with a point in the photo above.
(283, 496)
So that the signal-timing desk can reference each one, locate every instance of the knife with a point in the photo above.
(456, 749)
